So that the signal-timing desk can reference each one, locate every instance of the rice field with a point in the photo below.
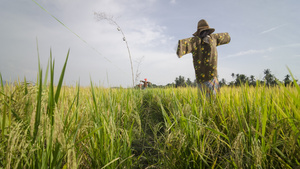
(55, 126)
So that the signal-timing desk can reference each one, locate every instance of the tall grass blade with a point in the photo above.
(50, 106)
(38, 108)
(221, 134)
(288, 161)
(3, 109)
(25, 87)
(110, 163)
(66, 123)
(88, 135)
(1, 81)
(3, 127)
(61, 78)
(94, 98)
(46, 75)
(77, 102)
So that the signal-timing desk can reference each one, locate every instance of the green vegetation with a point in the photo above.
(47, 126)
(239, 79)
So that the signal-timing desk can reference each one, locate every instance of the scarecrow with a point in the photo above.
(203, 46)
(145, 83)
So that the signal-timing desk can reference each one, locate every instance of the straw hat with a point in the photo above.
(203, 25)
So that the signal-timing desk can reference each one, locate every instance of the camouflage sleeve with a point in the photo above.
(184, 47)
(222, 38)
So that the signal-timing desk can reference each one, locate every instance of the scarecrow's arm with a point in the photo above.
(222, 38)
(184, 46)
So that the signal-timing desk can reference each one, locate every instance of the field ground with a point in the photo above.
(93, 127)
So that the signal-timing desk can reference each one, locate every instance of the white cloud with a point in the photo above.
(143, 34)
(150, 32)
(146, 33)
(272, 29)
(250, 52)
(262, 51)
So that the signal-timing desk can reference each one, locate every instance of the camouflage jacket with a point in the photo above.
(205, 56)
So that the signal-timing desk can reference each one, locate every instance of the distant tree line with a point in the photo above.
(269, 80)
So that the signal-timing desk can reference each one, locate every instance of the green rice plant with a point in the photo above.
(49, 126)
(43, 149)
(238, 129)
(38, 108)
(113, 137)
(3, 121)
(50, 155)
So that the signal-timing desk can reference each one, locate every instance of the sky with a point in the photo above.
(264, 35)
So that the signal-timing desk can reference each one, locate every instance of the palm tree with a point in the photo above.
(270, 79)
(189, 82)
(222, 82)
(252, 81)
(180, 81)
(287, 80)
